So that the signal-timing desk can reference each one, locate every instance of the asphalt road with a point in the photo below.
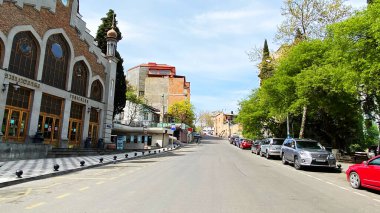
(211, 177)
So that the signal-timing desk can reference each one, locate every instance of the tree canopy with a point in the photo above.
(182, 112)
(326, 75)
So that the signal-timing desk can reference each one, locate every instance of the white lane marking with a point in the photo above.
(360, 194)
(329, 183)
(35, 205)
(101, 182)
(84, 188)
(63, 196)
(342, 188)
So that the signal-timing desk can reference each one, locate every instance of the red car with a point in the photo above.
(246, 144)
(366, 174)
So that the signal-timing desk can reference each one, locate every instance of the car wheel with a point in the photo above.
(355, 180)
(257, 152)
(267, 155)
(261, 154)
(297, 164)
(283, 159)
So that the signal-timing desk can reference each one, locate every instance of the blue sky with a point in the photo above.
(206, 40)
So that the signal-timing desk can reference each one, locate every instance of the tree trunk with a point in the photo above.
(303, 122)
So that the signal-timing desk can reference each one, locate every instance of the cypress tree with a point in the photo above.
(120, 86)
(265, 50)
(266, 68)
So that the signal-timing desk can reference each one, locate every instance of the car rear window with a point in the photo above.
(278, 141)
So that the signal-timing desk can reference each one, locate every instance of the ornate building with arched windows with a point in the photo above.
(56, 85)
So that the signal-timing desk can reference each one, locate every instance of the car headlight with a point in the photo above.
(305, 154)
(331, 156)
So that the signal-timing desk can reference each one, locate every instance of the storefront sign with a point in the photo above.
(78, 98)
(21, 80)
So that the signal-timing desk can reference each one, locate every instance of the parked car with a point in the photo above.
(239, 141)
(306, 152)
(366, 174)
(246, 144)
(236, 141)
(232, 138)
(256, 146)
(271, 147)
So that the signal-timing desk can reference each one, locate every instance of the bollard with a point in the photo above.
(155, 152)
(135, 154)
(56, 167)
(114, 157)
(100, 160)
(149, 151)
(143, 153)
(19, 173)
(159, 151)
(82, 163)
(126, 155)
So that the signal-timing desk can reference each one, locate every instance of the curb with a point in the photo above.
(59, 173)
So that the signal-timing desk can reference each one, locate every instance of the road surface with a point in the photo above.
(211, 177)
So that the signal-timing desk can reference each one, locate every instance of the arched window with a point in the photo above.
(57, 56)
(96, 91)
(24, 55)
(80, 78)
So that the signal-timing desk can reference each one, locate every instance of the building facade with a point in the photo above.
(159, 85)
(57, 86)
(225, 125)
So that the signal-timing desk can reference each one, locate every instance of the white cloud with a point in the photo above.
(233, 22)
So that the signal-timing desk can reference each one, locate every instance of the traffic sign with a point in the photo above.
(173, 127)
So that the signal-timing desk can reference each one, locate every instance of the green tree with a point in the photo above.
(182, 112)
(120, 86)
(266, 65)
(134, 104)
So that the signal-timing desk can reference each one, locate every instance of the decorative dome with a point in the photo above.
(111, 33)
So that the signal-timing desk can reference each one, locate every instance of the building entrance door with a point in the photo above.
(49, 126)
(14, 124)
(16, 114)
(75, 125)
(93, 130)
(75, 130)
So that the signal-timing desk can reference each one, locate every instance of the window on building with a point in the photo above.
(51, 105)
(76, 111)
(24, 55)
(96, 91)
(79, 79)
(18, 98)
(57, 56)
(146, 116)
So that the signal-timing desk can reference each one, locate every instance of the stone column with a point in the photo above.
(86, 124)
(65, 124)
(34, 114)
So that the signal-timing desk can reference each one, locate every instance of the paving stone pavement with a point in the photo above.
(43, 168)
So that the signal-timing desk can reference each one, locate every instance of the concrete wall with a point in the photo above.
(154, 89)
(15, 151)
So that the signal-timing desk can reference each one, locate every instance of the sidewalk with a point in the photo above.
(36, 169)
(344, 165)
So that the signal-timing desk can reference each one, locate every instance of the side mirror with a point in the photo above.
(365, 163)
